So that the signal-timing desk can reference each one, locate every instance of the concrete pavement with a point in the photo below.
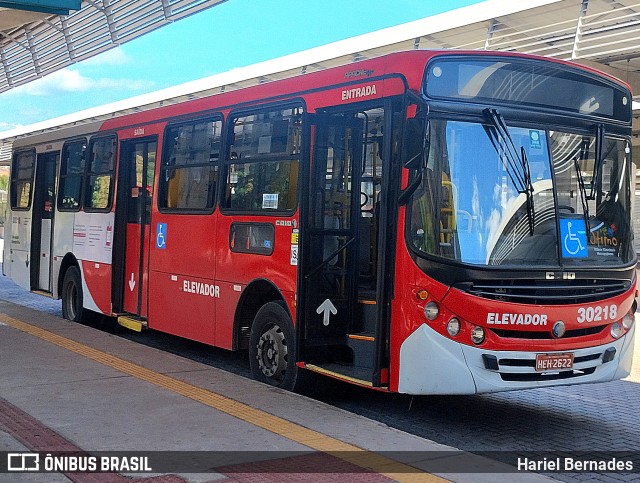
(70, 387)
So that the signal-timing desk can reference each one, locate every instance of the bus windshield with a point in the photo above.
(470, 210)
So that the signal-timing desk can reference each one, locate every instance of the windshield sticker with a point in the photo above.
(534, 140)
(607, 228)
(604, 240)
(573, 234)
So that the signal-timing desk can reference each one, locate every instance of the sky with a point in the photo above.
(232, 34)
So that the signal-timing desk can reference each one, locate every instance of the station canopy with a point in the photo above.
(38, 37)
(600, 33)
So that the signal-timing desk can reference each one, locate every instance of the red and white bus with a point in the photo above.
(426, 222)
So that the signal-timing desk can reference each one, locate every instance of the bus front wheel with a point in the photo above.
(72, 295)
(272, 349)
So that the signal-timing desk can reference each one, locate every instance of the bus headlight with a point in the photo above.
(627, 321)
(453, 327)
(431, 310)
(616, 330)
(477, 335)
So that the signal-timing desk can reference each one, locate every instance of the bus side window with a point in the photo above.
(22, 173)
(72, 174)
(100, 173)
(263, 160)
(189, 170)
(256, 238)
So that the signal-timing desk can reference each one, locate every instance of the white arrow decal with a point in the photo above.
(326, 307)
(132, 282)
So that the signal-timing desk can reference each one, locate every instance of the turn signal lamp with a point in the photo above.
(431, 310)
(477, 335)
(422, 294)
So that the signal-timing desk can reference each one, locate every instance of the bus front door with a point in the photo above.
(330, 253)
(345, 281)
(137, 167)
(43, 217)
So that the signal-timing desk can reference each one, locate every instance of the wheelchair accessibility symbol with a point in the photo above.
(573, 233)
(161, 236)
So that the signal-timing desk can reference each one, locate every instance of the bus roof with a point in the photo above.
(134, 109)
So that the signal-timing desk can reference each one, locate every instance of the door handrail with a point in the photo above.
(329, 258)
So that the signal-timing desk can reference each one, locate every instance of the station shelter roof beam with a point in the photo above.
(34, 43)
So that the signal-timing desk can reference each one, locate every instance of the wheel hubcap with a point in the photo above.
(272, 353)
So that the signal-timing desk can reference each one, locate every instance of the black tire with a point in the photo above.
(72, 298)
(272, 349)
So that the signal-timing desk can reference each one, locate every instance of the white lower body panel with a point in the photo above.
(433, 364)
(87, 297)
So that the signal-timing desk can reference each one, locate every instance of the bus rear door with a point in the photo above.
(43, 217)
(135, 188)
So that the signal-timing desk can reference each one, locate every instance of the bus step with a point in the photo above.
(368, 313)
(363, 336)
(43, 292)
(132, 323)
(363, 346)
(351, 374)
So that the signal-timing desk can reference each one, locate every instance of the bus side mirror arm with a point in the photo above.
(415, 144)
(409, 190)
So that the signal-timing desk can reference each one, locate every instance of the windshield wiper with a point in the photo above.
(531, 211)
(583, 194)
(596, 180)
(515, 163)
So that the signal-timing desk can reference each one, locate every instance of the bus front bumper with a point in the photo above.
(433, 364)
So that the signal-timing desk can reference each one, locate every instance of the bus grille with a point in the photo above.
(538, 376)
(529, 334)
(547, 292)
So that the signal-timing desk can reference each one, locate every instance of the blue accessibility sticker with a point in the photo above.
(573, 236)
(161, 236)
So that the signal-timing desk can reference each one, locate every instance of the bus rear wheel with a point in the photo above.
(72, 298)
(272, 349)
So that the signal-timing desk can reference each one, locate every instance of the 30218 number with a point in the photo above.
(597, 314)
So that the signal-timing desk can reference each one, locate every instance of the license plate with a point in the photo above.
(554, 362)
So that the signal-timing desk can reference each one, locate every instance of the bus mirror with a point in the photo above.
(412, 143)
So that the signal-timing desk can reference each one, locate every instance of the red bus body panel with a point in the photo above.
(193, 286)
